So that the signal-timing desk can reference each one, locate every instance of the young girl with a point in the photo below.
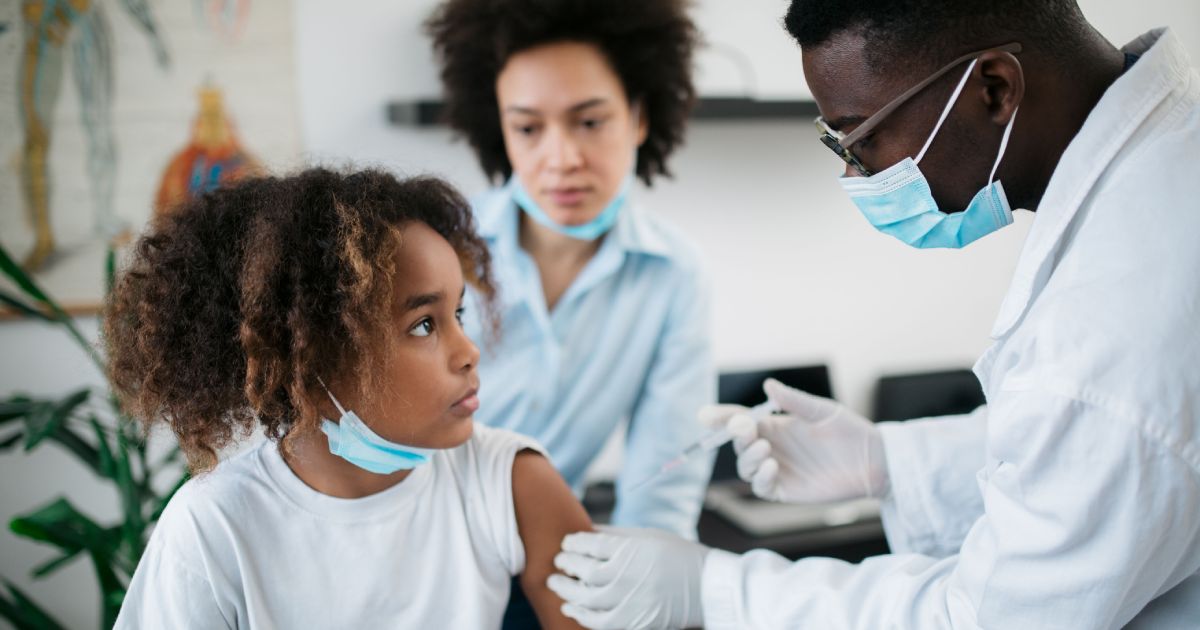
(326, 308)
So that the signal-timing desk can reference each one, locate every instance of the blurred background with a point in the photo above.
(201, 89)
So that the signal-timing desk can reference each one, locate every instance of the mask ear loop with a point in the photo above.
(1003, 144)
(946, 111)
(340, 408)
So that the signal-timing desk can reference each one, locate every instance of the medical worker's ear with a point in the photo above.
(1003, 85)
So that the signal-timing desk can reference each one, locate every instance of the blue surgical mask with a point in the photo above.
(589, 231)
(899, 202)
(351, 439)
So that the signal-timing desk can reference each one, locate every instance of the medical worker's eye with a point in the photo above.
(424, 328)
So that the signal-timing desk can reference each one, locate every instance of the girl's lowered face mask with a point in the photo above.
(351, 439)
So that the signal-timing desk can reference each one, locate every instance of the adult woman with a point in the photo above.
(604, 310)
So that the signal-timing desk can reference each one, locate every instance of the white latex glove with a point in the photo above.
(630, 578)
(817, 450)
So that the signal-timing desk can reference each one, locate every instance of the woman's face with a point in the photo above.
(569, 130)
(428, 377)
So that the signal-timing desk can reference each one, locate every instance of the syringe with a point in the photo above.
(710, 441)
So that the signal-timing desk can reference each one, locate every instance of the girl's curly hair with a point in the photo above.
(235, 303)
(649, 44)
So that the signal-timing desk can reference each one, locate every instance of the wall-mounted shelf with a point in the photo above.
(427, 113)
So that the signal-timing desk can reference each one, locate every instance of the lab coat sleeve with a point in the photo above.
(933, 499)
(1089, 515)
(681, 379)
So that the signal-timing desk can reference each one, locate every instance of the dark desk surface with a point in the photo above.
(851, 542)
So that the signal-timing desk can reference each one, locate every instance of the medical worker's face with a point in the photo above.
(569, 129)
(848, 89)
(428, 375)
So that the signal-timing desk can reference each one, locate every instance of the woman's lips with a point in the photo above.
(568, 196)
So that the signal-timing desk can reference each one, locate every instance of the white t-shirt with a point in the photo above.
(251, 546)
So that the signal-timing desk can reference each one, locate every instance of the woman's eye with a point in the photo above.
(592, 123)
(424, 328)
(526, 130)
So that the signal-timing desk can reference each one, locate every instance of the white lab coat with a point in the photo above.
(1073, 499)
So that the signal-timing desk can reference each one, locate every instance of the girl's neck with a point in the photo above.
(310, 460)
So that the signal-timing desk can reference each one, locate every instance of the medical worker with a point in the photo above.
(1072, 499)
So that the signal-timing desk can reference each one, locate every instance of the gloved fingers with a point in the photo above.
(744, 430)
(797, 403)
(588, 618)
(752, 458)
(763, 483)
(596, 545)
(582, 594)
(586, 569)
(627, 533)
(716, 416)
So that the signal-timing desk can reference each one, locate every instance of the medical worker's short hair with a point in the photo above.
(927, 33)
(235, 303)
(649, 44)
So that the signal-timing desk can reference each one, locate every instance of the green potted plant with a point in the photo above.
(91, 426)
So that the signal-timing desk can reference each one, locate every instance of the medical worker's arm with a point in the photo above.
(1090, 513)
(546, 512)
(933, 497)
(680, 381)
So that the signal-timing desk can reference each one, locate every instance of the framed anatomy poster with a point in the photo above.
(114, 110)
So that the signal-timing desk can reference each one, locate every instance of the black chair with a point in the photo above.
(923, 395)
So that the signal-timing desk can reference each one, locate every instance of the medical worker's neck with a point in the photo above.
(331, 475)
(1067, 93)
(559, 258)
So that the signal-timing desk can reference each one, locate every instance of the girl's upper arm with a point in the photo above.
(546, 512)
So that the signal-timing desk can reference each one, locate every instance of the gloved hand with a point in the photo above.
(817, 451)
(630, 578)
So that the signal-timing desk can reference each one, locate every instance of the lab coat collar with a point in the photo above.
(1123, 108)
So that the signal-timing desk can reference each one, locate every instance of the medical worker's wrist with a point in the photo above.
(718, 586)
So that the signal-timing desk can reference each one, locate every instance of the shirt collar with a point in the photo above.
(1128, 102)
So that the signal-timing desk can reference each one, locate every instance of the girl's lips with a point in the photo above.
(468, 404)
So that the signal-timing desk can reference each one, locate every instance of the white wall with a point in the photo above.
(799, 276)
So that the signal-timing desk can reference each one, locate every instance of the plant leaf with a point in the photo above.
(48, 417)
(47, 568)
(11, 269)
(15, 407)
(23, 308)
(24, 613)
(11, 441)
(106, 464)
(71, 441)
(130, 494)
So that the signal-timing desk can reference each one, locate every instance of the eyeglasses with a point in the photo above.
(840, 143)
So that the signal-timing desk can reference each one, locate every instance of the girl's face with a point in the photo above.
(569, 129)
(428, 378)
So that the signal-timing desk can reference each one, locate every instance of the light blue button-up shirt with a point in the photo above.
(627, 342)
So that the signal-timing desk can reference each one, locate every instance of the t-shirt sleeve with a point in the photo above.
(492, 452)
(165, 593)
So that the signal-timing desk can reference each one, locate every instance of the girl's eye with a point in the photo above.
(424, 328)
(459, 315)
